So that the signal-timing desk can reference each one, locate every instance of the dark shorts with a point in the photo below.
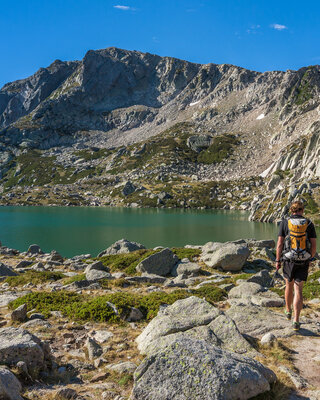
(296, 272)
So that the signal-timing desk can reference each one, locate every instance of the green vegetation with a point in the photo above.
(75, 278)
(182, 252)
(311, 288)
(125, 262)
(220, 148)
(311, 207)
(89, 155)
(100, 308)
(303, 90)
(38, 170)
(211, 293)
(33, 277)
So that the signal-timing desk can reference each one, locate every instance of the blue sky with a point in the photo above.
(259, 35)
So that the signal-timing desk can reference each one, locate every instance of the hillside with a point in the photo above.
(131, 128)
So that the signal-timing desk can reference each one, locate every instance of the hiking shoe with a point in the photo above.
(288, 314)
(296, 326)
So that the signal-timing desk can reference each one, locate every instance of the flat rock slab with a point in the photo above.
(196, 318)
(255, 321)
(194, 369)
(6, 297)
(228, 256)
(19, 345)
(253, 293)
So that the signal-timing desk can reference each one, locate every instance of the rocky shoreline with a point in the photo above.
(133, 323)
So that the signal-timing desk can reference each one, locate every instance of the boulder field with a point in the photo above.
(200, 322)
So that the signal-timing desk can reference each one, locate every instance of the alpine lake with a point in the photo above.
(81, 230)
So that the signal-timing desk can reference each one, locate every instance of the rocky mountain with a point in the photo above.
(120, 119)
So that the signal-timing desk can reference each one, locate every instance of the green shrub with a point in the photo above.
(220, 149)
(211, 293)
(33, 277)
(311, 288)
(45, 302)
(182, 252)
(125, 262)
(75, 278)
(151, 303)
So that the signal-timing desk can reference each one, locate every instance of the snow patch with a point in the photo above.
(194, 103)
(261, 116)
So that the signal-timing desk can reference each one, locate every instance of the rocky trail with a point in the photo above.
(198, 322)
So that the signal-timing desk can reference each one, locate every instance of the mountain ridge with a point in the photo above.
(114, 98)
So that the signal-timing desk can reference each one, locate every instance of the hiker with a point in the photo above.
(296, 246)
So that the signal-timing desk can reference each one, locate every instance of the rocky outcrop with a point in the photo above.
(160, 263)
(19, 345)
(191, 368)
(228, 256)
(121, 246)
(192, 318)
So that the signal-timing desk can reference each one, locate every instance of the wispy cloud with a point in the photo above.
(124, 8)
(253, 29)
(278, 27)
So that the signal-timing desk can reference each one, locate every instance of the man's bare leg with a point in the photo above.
(288, 294)
(298, 300)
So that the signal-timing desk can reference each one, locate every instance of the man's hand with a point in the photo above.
(278, 264)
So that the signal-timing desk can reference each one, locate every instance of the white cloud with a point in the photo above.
(124, 8)
(278, 27)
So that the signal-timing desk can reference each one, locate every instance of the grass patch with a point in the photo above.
(125, 262)
(34, 277)
(311, 206)
(75, 278)
(100, 309)
(311, 288)
(211, 293)
(220, 149)
(182, 252)
(279, 291)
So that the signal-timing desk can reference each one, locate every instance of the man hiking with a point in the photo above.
(296, 246)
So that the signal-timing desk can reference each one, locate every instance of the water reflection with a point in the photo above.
(89, 230)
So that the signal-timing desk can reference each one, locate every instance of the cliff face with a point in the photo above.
(115, 98)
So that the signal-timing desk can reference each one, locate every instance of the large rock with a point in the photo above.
(269, 243)
(128, 188)
(122, 246)
(20, 345)
(255, 321)
(160, 263)
(186, 267)
(194, 369)
(192, 317)
(34, 249)
(20, 313)
(252, 293)
(228, 256)
(263, 278)
(97, 271)
(10, 387)
(199, 142)
(6, 271)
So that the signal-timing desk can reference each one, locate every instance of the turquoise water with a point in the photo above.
(79, 230)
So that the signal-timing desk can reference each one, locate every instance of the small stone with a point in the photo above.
(65, 394)
(99, 377)
(268, 339)
(135, 315)
(94, 349)
(20, 313)
(102, 336)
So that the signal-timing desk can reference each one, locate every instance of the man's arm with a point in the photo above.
(279, 251)
(313, 249)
